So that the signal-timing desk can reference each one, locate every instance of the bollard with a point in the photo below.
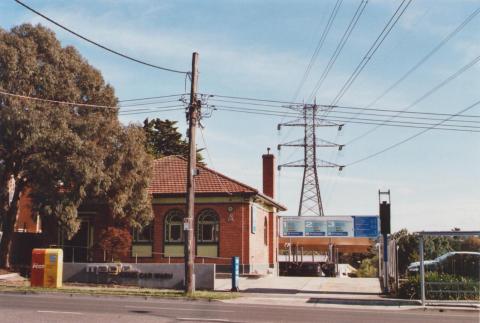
(235, 274)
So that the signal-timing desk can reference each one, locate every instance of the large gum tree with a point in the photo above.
(62, 155)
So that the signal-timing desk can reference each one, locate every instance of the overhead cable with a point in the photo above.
(334, 118)
(320, 43)
(336, 107)
(98, 44)
(411, 137)
(153, 97)
(346, 35)
(462, 70)
(26, 97)
(426, 57)
(179, 108)
(372, 50)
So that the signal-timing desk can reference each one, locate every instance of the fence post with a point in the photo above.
(73, 255)
(422, 271)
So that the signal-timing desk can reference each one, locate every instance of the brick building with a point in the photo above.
(231, 219)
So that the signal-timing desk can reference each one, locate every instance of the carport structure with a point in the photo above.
(319, 240)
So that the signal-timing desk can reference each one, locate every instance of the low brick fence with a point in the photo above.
(169, 276)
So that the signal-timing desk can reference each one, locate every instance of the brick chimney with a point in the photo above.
(269, 174)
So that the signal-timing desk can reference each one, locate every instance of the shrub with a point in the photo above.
(441, 287)
(116, 242)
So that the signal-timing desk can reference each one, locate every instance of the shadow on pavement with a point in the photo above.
(371, 302)
(298, 291)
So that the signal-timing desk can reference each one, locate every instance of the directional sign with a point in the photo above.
(294, 227)
(329, 226)
(315, 228)
(366, 226)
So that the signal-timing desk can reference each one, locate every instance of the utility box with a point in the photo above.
(47, 268)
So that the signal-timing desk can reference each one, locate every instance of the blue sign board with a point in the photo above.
(330, 226)
(293, 227)
(315, 228)
(365, 226)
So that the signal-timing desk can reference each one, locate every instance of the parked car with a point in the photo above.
(461, 263)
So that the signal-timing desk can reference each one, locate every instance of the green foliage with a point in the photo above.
(471, 244)
(64, 154)
(433, 247)
(368, 267)
(163, 139)
(441, 287)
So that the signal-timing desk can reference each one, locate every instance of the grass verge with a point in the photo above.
(114, 291)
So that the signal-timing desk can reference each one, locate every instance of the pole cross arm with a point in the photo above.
(301, 143)
(297, 163)
(324, 163)
(294, 123)
(319, 163)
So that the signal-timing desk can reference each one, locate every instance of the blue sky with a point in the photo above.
(261, 49)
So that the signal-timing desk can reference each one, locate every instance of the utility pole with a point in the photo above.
(193, 116)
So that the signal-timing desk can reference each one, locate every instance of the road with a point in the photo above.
(65, 308)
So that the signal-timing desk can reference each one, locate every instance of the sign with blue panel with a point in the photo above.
(315, 228)
(339, 228)
(365, 226)
(294, 227)
(330, 226)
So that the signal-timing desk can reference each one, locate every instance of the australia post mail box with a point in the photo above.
(47, 268)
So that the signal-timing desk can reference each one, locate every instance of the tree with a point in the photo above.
(115, 242)
(163, 139)
(64, 154)
(471, 244)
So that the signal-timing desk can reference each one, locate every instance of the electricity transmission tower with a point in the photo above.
(310, 198)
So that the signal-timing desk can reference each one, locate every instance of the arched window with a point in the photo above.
(174, 226)
(207, 226)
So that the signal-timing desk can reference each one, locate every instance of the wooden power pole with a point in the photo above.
(193, 116)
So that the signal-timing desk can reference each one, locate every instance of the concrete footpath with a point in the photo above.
(327, 292)
(321, 292)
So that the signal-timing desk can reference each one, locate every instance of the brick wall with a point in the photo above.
(259, 243)
(231, 239)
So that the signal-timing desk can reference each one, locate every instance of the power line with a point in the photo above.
(339, 119)
(26, 97)
(336, 108)
(346, 35)
(411, 137)
(372, 50)
(251, 99)
(153, 97)
(426, 57)
(100, 45)
(147, 103)
(320, 43)
(217, 176)
(424, 96)
(157, 111)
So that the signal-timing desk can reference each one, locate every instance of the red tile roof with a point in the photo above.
(170, 177)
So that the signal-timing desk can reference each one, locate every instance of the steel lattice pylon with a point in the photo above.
(310, 197)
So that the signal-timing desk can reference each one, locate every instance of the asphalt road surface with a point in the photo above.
(64, 308)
